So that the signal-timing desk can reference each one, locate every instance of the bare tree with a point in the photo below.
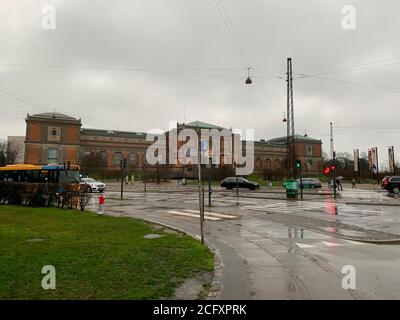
(9, 153)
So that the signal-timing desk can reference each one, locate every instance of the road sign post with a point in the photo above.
(298, 167)
(123, 165)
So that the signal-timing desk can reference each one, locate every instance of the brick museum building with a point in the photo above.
(53, 137)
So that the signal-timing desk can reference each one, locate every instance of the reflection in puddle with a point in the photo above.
(331, 208)
(296, 233)
(332, 229)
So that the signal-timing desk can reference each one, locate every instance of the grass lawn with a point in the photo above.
(95, 257)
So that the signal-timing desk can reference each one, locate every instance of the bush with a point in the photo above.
(43, 195)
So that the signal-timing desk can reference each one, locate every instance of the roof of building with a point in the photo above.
(203, 125)
(298, 137)
(53, 115)
(102, 132)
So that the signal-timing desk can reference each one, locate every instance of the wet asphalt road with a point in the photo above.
(278, 249)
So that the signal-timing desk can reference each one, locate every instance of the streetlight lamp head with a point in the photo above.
(248, 80)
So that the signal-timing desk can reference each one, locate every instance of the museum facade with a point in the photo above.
(54, 137)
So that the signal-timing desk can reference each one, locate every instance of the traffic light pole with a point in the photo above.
(334, 174)
(301, 184)
(122, 179)
(144, 175)
(298, 170)
(333, 154)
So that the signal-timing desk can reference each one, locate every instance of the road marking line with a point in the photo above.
(356, 242)
(303, 245)
(181, 213)
(331, 244)
(219, 215)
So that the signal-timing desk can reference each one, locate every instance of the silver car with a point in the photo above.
(93, 185)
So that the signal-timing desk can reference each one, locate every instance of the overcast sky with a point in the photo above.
(136, 65)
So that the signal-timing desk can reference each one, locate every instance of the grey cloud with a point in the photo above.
(188, 36)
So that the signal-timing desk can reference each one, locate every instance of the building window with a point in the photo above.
(309, 164)
(52, 155)
(118, 156)
(103, 158)
(258, 164)
(309, 150)
(132, 158)
(86, 158)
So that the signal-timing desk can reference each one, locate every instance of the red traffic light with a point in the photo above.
(327, 170)
(332, 167)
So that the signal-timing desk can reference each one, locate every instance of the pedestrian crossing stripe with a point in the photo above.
(303, 245)
(219, 215)
(326, 243)
(207, 215)
(187, 214)
(332, 244)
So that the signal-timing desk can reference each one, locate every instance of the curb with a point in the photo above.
(374, 204)
(378, 242)
(217, 274)
(394, 241)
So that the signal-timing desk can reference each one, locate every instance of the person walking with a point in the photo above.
(353, 183)
(339, 184)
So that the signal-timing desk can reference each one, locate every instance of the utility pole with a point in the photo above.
(290, 121)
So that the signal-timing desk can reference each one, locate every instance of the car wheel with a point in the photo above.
(88, 189)
(312, 186)
(396, 190)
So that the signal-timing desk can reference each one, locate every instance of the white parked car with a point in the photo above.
(93, 185)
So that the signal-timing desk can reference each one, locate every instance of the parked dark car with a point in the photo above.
(392, 184)
(230, 183)
(310, 183)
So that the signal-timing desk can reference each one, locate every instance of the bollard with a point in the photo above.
(101, 203)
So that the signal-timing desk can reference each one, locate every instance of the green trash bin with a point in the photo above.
(291, 189)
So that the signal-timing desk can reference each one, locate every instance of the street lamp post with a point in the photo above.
(200, 186)
(144, 175)
(209, 182)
